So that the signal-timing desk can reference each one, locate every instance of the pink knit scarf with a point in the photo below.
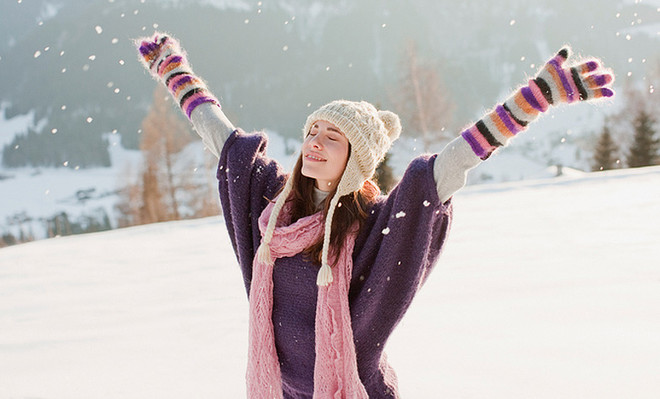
(335, 367)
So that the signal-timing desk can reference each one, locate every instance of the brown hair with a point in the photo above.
(351, 208)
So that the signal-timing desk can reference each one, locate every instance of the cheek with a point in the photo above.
(340, 150)
(345, 154)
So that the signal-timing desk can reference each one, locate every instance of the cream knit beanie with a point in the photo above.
(370, 133)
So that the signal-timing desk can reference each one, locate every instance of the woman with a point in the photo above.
(331, 266)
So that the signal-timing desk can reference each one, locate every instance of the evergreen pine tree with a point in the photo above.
(384, 176)
(645, 146)
(605, 152)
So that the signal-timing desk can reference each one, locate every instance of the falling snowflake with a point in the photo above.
(98, 29)
(426, 204)
(386, 231)
(400, 215)
(37, 54)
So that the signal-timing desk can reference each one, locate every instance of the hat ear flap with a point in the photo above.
(392, 124)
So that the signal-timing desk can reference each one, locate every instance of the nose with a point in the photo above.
(315, 142)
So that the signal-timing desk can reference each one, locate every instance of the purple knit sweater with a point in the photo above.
(394, 253)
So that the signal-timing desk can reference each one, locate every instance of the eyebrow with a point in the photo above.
(332, 129)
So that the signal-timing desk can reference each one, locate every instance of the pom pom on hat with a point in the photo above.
(392, 124)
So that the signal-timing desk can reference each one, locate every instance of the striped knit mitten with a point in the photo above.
(166, 60)
(553, 85)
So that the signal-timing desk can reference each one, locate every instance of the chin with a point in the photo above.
(305, 171)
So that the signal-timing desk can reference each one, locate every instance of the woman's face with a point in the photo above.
(324, 155)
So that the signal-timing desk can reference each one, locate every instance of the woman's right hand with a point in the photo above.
(155, 50)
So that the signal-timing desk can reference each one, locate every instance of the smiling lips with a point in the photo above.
(315, 157)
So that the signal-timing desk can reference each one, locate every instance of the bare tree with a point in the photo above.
(168, 185)
(164, 135)
(421, 100)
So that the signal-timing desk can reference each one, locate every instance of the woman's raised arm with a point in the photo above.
(166, 61)
(555, 84)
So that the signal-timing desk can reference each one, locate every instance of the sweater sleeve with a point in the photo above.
(452, 166)
(247, 180)
(212, 125)
(394, 253)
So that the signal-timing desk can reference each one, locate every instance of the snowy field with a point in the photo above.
(547, 289)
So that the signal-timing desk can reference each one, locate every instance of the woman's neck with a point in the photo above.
(319, 197)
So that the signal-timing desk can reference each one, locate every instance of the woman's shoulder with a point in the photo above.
(241, 141)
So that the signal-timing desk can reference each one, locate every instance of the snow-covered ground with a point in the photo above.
(547, 289)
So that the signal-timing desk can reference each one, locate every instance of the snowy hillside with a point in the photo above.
(546, 289)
